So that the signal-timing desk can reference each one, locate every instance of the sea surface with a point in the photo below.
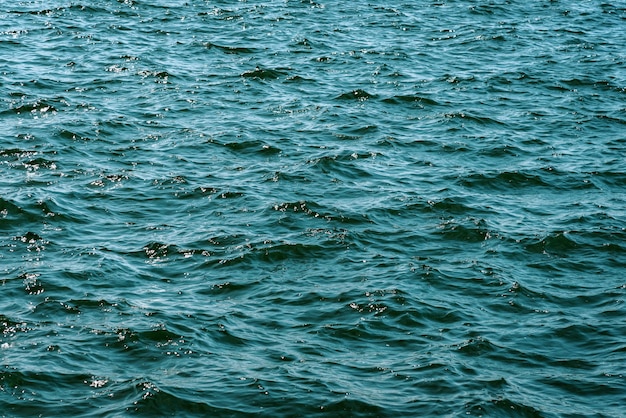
(313, 208)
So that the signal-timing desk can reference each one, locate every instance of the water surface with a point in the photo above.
(299, 208)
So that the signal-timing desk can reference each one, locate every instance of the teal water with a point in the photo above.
(291, 208)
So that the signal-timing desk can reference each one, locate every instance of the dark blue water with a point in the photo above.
(299, 208)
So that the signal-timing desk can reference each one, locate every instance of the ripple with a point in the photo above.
(359, 95)
(306, 209)
(264, 74)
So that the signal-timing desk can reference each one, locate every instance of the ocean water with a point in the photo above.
(301, 208)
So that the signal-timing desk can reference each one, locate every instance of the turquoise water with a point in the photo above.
(291, 208)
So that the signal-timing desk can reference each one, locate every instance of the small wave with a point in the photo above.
(157, 250)
(253, 147)
(43, 12)
(151, 400)
(38, 106)
(355, 132)
(502, 406)
(459, 205)
(223, 14)
(159, 75)
(359, 95)
(230, 49)
(612, 119)
(87, 304)
(353, 408)
(411, 98)
(30, 238)
(302, 46)
(478, 346)
(295, 251)
(506, 180)
(469, 230)
(35, 212)
(603, 84)
(37, 163)
(295, 178)
(9, 327)
(227, 194)
(487, 9)
(609, 178)
(264, 74)
(298, 79)
(314, 210)
(456, 79)
(74, 136)
(520, 291)
(574, 386)
(302, 206)
(558, 243)
(9, 210)
(341, 166)
(229, 288)
(501, 151)
(15, 154)
(276, 253)
(465, 116)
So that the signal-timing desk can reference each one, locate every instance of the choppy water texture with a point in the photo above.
(291, 208)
